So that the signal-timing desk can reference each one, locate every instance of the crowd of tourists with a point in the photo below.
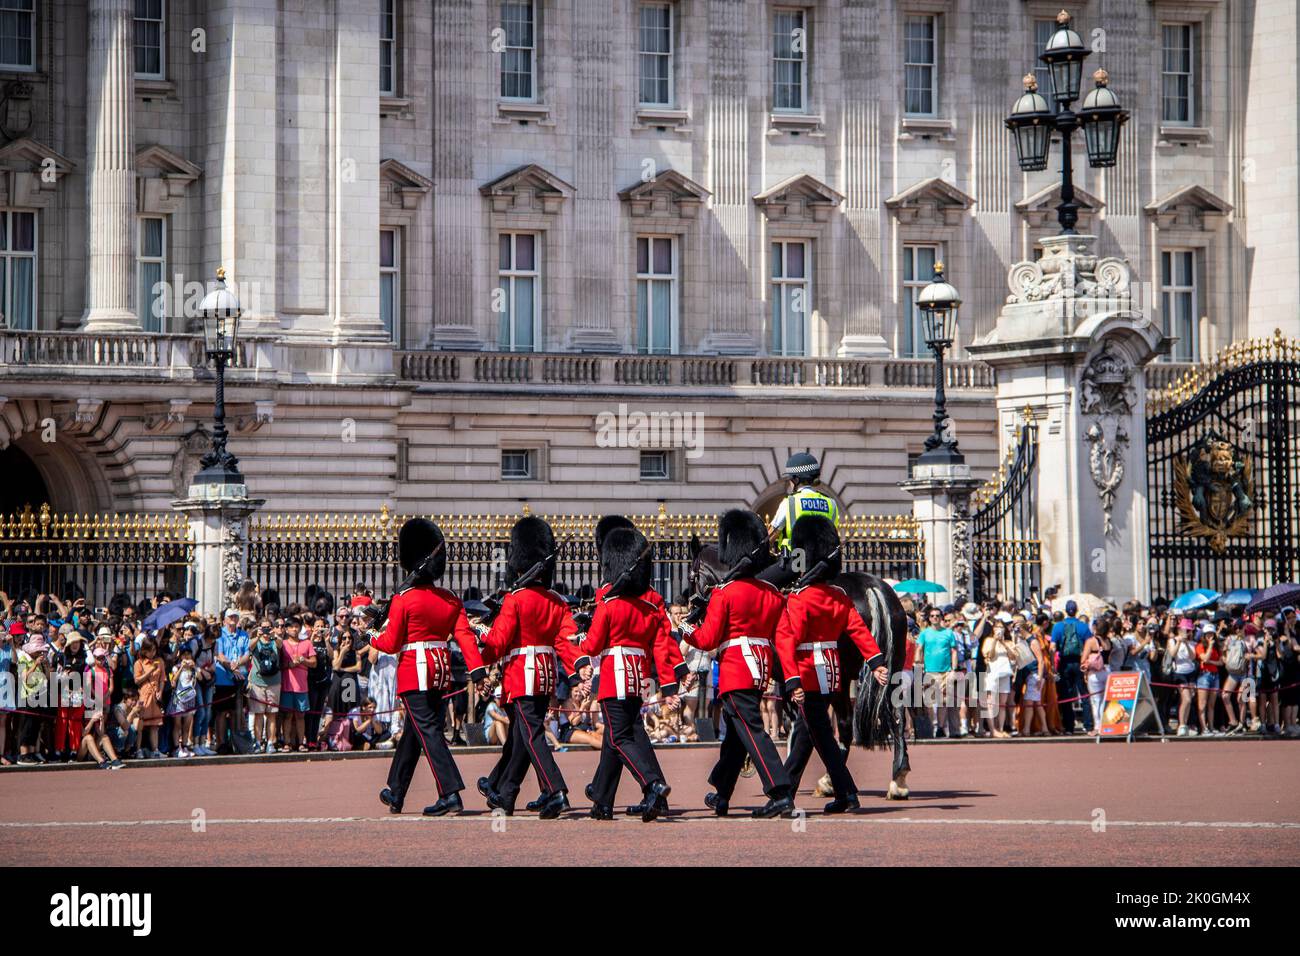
(101, 684)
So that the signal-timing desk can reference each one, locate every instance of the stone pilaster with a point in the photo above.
(219, 533)
(110, 166)
(941, 506)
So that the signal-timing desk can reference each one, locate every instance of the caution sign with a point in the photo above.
(1127, 704)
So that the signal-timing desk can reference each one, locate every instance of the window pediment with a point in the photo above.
(527, 189)
(403, 186)
(932, 201)
(667, 194)
(1040, 208)
(33, 172)
(800, 197)
(162, 178)
(1187, 207)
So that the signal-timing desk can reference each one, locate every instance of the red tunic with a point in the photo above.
(624, 632)
(741, 620)
(421, 622)
(808, 635)
(532, 628)
(669, 659)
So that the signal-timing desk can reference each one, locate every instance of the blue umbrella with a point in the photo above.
(1200, 597)
(917, 586)
(164, 614)
(1239, 596)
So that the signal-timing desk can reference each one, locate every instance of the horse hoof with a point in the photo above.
(896, 792)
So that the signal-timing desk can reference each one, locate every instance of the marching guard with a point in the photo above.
(531, 633)
(666, 650)
(625, 630)
(817, 614)
(422, 620)
(740, 623)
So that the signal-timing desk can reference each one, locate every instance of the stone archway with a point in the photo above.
(23, 486)
(67, 473)
(770, 498)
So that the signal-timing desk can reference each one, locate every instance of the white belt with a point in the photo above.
(620, 655)
(747, 645)
(819, 649)
(529, 654)
(421, 661)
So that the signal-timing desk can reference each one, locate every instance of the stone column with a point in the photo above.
(941, 506)
(1070, 346)
(219, 531)
(110, 166)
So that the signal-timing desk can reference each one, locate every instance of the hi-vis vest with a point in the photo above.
(805, 501)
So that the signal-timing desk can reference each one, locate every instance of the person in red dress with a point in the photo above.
(740, 624)
(532, 633)
(422, 621)
(625, 631)
(817, 615)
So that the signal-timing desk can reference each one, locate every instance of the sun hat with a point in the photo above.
(17, 629)
(1186, 624)
(104, 631)
(37, 645)
(231, 612)
(1004, 617)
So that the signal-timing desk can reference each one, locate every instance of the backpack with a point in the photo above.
(1071, 645)
(1236, 657)
(268, 659)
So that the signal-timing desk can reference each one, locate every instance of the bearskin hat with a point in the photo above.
(622, 549)
(416, 541)
(741, 532)
(607, 524)
(531, 540)
(817, 538)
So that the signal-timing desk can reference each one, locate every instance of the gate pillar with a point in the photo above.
(219, 533)
(941, 507)
(1071, 345)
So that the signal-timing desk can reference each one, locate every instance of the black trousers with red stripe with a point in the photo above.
(426, 718)
(813, 730)
(526, 745)
(626, 744)
(745, 735)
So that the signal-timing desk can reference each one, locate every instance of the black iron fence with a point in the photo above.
(1006, 551)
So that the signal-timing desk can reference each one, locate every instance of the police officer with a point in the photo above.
(802, 472)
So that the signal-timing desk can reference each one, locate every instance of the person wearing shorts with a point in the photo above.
(1209, 660)
(1182, 651)
(264, 692)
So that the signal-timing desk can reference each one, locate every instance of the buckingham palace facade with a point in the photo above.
(474, 240)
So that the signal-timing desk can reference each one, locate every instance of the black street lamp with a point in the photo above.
(938, 304)
(220, 311)
(1031, 120)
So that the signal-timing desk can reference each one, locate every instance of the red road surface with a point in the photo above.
(1233, 803)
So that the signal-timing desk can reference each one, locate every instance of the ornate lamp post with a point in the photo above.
(220, 311)
(1032, 120)
(938, 303)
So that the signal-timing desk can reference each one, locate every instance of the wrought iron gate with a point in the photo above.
(1006, 554)
(1222, 472)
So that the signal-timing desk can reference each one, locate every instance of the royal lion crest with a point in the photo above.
(1212, 491)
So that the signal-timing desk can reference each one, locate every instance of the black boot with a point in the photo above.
(655, 800)
(532, 806)
(842, 804)
(555, 804)
(387, 799)
(590, 792)
(716, 803)
(601, 811)
(779, 806)
(448, 804)
(494, 800)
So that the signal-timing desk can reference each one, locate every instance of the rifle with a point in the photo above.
(626, 573)
(700, 604)
(813, 573)
(493, 601)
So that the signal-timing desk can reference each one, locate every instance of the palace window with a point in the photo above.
(151, 273)
(789, 61)
(519, 56)
(18, 269)
(518, 291)
(918, 271)
(791, 296)
(920, 66)
(656, 465)
(1179, 301)
(1178, 73)
(150, 33)
(1043, 30)
(18, 34)
(656, 295)
(390, 282)
(388, 48)
(518, 464)
(656, 48)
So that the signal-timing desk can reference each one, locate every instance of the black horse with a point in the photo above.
(876, 721)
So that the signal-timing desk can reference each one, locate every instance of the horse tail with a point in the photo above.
(872, 718)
